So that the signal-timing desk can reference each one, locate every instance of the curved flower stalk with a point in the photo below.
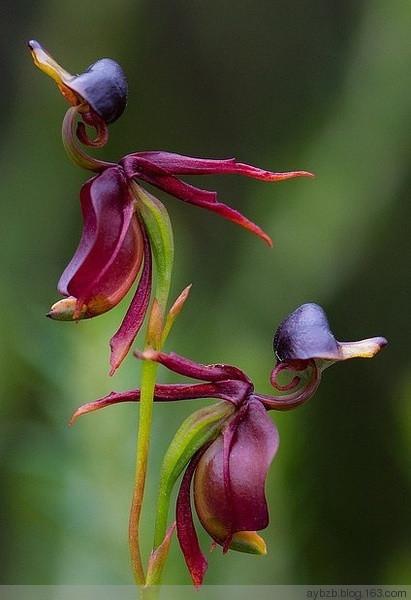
(227, 448)
(115, 250)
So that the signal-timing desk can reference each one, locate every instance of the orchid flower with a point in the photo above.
(116, 245)
(227, 448)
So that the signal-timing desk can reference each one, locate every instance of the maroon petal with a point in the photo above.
(189, 368)
(203, 199)
(230, 477)
(186, 533)
(226, 390)
(188, 165)
(141, 168)
(122, 340)
(110, 252)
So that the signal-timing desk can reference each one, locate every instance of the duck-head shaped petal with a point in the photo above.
(102, 86)
(305, 334)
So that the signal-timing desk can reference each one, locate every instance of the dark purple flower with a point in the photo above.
(305, 334)
(305, 346)
(228, 475)
(115, 246)
(114, 249)
(103, 85)
(114, 243)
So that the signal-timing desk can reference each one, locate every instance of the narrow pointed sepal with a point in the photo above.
(163, 168)
(124, 337)
(194, 558)
(179, 164)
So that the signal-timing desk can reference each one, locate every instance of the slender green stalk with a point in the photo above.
(159, 231)
(148, 379)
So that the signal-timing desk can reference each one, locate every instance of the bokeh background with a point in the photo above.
(309, 84)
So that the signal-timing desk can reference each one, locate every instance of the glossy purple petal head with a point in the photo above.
(230, 480)
(110, 252)
(103, 85)
(305, 334)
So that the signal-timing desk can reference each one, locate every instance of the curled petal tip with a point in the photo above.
(73, 418)
(289, 175)
(82, 410)
(268, 241)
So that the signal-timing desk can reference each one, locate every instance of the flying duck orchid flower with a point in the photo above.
(117, 243)
(227, 448)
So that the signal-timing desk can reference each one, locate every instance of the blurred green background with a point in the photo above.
(308, 84)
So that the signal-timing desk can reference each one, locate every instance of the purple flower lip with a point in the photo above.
(230, 476)
(113, 250)
(229, 480)
(305, 334)
(103, 85)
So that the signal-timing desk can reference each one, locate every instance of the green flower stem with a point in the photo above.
(159, 231)
(148, 379)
